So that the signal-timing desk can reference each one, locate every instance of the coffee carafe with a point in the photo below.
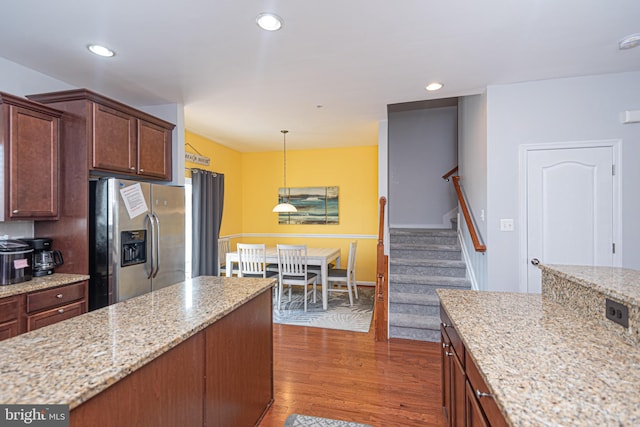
(44, 259)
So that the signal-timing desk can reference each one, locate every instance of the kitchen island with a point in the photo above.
(550, 359)
(193, 353)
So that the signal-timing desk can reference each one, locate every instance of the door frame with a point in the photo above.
(525, 149)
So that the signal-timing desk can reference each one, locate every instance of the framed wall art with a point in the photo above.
(315, 205)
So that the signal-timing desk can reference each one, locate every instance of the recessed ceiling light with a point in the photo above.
(630, 41)
(434, 86)
(100, 50)
(269, 21)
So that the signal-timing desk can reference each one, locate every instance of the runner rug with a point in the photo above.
(296, 420)
(339, 315)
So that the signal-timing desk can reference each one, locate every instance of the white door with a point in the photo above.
(570, 208)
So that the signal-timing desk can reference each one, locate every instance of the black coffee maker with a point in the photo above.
(44, 259)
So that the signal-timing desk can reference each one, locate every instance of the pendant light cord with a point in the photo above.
(284, 137)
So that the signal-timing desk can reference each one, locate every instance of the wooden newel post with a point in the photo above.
(380, 304)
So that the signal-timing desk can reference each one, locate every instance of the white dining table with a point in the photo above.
(315, 256)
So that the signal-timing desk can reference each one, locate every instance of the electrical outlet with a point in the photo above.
(617, 312)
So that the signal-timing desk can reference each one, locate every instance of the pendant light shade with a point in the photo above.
(286, 206)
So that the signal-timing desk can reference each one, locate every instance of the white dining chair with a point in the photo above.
(224, 246)
(252, 260)
(293, 271)
(345, 276)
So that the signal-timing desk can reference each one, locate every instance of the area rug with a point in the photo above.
(339, 315)
(295, 420)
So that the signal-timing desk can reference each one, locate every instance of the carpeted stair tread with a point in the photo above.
(430, 280)
(423, 231)
(413, 298)
(425, 246)
(452, 263)
(416, 321)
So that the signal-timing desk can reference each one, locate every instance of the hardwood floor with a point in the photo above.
(348, 376)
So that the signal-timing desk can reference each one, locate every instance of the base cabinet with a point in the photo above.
(466, 398)
(222, 376)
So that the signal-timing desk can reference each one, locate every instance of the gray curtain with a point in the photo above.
(208, 197)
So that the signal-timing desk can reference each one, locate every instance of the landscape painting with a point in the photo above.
(316, 205)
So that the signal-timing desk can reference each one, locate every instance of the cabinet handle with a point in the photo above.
(15, 211)
(445, 325)
(132, 168)
(448, 353)
(445, 345)
(59, 296)
(61, 310)
(480, 394)
(141, 170)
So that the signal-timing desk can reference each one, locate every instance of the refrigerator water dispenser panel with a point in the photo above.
(134, 247)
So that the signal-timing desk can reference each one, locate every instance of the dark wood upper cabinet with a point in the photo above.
(30, 144)
(122, 140)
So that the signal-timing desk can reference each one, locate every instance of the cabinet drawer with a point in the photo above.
(55, 315)
(50, 298)
(8, 309)
(8, 329)
(487, 402)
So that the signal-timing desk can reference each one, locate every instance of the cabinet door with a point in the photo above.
(445, 359)
(114, 140)
(33, 160)
(8, 329)
(475, 417)
(458, 385)
(154, 150)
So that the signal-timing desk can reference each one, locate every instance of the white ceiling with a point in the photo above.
(241, 85)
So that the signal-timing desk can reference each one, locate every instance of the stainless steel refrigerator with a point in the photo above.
(137, 239)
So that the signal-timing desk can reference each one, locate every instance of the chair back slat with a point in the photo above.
(352, 257)
(252, 259)
(292, 260)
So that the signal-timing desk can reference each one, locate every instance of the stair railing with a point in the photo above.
(479, 247)
(380, 313)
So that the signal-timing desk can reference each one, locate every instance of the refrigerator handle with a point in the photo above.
(157, 244)
(153, 234)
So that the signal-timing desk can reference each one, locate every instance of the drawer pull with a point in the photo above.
(480, 394)
(448, 353)
(141, 170)
(62, 311)
(59, 296)
(445, 325)
(445, 345)
(15, 211)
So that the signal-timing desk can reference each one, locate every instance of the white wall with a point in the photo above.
(560, 110)
(422, 147)
(472, 168)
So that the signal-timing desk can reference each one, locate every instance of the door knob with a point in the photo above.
(535, 261)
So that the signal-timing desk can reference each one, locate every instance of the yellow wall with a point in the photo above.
(251, 187)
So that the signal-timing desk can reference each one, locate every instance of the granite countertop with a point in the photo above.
(71, 361)
(41, 283)
(545, 364)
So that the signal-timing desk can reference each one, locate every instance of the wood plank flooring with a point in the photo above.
(348, 376)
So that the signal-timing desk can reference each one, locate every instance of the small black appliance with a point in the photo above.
(44, 259)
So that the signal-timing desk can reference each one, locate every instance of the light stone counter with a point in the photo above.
(72, 361)
(545, 364)
(41, 283)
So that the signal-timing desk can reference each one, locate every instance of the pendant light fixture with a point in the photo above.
(285, 207)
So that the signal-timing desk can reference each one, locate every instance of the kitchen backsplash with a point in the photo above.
(16, 229)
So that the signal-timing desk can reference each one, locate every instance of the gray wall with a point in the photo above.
(560, 110)
(472, 168)
(422, 147)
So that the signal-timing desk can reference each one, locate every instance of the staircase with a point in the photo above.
(420, 261)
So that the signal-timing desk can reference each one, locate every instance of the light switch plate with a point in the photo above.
(506, 224)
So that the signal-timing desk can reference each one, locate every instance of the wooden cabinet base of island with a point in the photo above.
(222, 376)
(466, 398)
